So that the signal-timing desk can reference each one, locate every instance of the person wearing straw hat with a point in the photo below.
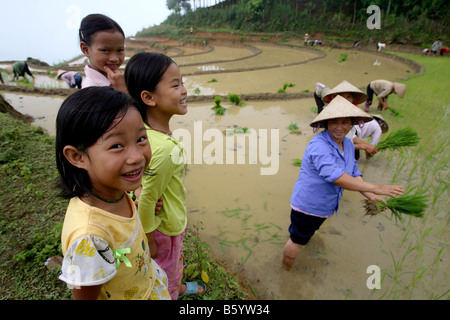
(328, 167)
(355, 96)
(9, 69)
(323, 95)
(346, 90)
(382, 89)
(72, 78)
(373, 129)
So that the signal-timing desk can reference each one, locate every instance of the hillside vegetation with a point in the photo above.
(412, 21)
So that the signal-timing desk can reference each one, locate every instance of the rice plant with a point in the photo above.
(218, 109)
(343, 57)
(293, 128)
(235, 99)
(406, 137)
(285, 86)
(297, 162)
(395, 112)
(409, 204)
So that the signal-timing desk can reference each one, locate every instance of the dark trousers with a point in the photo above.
(319, 103)
(370, 93)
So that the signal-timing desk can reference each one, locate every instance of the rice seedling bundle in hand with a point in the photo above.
(409, 204)
(406, 137)
(395, 112)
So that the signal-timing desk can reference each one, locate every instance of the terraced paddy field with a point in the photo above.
(239, 184)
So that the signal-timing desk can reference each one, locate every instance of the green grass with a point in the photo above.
(420, 261)
(31, 217)
(30, 213)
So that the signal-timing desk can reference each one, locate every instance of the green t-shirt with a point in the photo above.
(18, 68)
(165, 178)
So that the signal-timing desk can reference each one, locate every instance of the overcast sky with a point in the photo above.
(48, 29)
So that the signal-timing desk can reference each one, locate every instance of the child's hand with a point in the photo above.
(117, 79)
(153, 250)
(158, 206)
(137, 194)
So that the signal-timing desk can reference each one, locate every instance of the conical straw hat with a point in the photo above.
(346, 86)
(340, 107)
(383, 125)
(9, 69)
(400, 89)
(60, 73)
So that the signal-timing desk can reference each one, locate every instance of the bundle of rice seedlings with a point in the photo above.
(235, 99)
(297, 162)
(396, 112)
(410, 204)
(218, 109)
(405, 137)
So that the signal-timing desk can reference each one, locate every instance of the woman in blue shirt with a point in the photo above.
(328, 167)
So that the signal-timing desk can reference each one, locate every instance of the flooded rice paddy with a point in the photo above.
(244, 213)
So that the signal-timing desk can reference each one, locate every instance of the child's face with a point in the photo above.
(170, 94)
(116, 161)
(107, 49)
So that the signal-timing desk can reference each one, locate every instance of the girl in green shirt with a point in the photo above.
(154, 80)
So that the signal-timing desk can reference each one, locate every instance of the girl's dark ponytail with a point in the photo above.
(94, 23)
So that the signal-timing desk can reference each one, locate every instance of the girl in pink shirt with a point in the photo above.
(102, 41)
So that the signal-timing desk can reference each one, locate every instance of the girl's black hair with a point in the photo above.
(144, 71)
(94, 23)
(83, 118)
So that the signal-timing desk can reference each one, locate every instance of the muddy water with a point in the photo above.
(245, 214)
(41, 81)
(261, 57)
(219, 53)
(42, 109)
(359, 69)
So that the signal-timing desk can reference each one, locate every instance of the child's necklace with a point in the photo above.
(169, 133)
(106, 200)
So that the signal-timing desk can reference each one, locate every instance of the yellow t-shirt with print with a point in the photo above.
(102, 248)
(164, 178)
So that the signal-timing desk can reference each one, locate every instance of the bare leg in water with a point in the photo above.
(290, 252)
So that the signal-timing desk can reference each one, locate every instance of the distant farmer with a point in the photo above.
(19, 69)
(382, 89)
(306, 40)
(319, 93)
(380, 46)
(436, 46)
(1, 79)
(72, 78)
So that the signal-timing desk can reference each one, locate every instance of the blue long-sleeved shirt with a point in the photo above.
(322, 164)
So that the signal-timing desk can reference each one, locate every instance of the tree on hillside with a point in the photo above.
(178, 5)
